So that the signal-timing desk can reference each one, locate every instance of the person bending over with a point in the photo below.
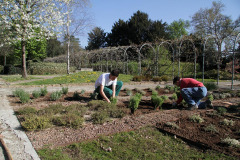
(192, 91)
(107, 86)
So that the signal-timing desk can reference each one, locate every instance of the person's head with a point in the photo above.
(114, 74)
(176, 80)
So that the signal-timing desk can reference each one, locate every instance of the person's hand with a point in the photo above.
(108, 101)
(174, 104)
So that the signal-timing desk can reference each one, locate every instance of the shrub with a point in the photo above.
(157, 79)
(157, 101)
(227, 122)
(44, 91)
(211, 128)
(76, 96)
(221, 110)
(172, 125)
(164, 78)
(158, 87)
(82, 91)
(24, 97)
(70, 120)
(210, 97)
(99, 117)
(137, 78)
(33, 122)
(36, 94)
(174, 96)
(210, 86)
(116, 113)
(113, 100)
(231, 142)
(129, 93)
(55, 95)
(64, 90)
(196, 118)
(164, 97)
(17, 92)
(154, 93)
(26, 111)
(134, 102)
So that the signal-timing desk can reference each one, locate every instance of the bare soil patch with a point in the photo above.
(192, 132)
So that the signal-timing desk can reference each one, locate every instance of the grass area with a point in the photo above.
(81, 77)
(144, 143)
(15, 78)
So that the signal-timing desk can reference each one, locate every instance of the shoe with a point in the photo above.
(208, 104)
(192, 107)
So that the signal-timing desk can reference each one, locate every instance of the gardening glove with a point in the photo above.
(174, 104)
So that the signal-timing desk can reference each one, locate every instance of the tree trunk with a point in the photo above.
(24, 68)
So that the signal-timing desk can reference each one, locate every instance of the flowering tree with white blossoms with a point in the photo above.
(19, 20)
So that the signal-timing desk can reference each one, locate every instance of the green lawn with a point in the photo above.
(145, 143)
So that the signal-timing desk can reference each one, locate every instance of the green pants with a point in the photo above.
(108, 90)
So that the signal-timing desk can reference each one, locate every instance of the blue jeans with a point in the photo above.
(108, 90)
(194, 95)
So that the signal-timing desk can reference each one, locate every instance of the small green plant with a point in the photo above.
(227, 122)
(99, 117)
(34, 122)
(164, 97)
(76, 96)
(70, 120)
(174, 96)
(82, 92)
(55, 95)
(129, 93)
(18, 92)
(158, 87)
(196, 118)
(154, 93)
(231, 142)
(64, 90)
(36, 94)
(157, 101)
(211, 128)
(210, 97)
(113, 100)
(210, 86)
(134, 102)
(24, 97)
(221, 110)
(44, 91)
(172, 125)
(26, 111)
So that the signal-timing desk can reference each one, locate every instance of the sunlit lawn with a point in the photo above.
(81, 77)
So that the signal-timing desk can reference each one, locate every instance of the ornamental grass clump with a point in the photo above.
(55, 95)
(134, 102)
(36, 94)
(44, 91)
(231, 142)
(64, 90)
(196, 118)
(157, 101)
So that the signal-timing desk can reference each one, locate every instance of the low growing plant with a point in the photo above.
(210, 97)
(36, 94)
(24, 97)
(64, 90)
(18, 92)
(55, 95)
(172, 125)
(129, 93)
(134, 102)
(211, 128)
(227, 122)
(76, 96)
(26, 111)
(221, 110)
(231, 142)
(196, 118)
(44, 91)
(174, 96)
(157, 101)
(99, 117)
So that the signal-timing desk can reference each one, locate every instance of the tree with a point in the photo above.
(20, 19)
(139, 25)
(119, 35)
(54, 47)
(212, 22)
(177, 29)
(96, 39)
(157, 30)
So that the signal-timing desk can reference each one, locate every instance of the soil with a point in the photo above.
(192, 132)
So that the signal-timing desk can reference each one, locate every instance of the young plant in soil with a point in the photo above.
(196, 118)
(134, 102)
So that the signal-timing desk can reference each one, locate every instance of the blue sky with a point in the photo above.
(106, 12)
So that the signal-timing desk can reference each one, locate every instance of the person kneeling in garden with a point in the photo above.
(107, 86)
(192, 91)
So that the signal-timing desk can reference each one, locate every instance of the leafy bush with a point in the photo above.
(36, 94)
(210, 86)
(211, 128)
(55, 95)
(43, 91)
(99, 117)
(196, 118)
(70, 120)
(231, 142)
(34, 122)
(24, 97)
(221, 110)
(113, 100)
(158, 87)
(157, 101)
(76, 96)
(17, 92)
(134, 102)
(174, 96)
(64, 90)
(210, 97)
(26, 111)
